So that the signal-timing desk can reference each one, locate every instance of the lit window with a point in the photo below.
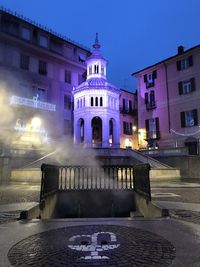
(186, 87)
(184, 63)
(152, 128)
(189, 118)
(149, 79)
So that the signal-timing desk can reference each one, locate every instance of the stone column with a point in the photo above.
(105, 133)
(116, 129)
(87, 133)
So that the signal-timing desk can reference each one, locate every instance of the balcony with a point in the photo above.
(132, 112)
(153, 135)
(150, 84)
(151, 105)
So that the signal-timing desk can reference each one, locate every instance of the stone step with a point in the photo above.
(26, 175)
(164, 174)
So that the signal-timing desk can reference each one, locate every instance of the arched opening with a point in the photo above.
(80, 131)
(96, 101)
(96, 132)
(192, 145)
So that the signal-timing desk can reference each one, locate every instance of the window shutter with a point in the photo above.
(146, 98)
(180, 88)
(123, 104)
(130, 105)
(183, 119)
(178, 65)
(124, 127)
(154, 75)
(192, 80)
(195, 117)
(147, 128)
(152, 97)
(145, 78)
(190, 60)
(131, 128)
(157, 128)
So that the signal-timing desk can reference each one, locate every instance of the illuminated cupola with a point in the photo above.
(96, 105)
(96, 64)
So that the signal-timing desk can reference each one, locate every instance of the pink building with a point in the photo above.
(128, 120)
(168, 102)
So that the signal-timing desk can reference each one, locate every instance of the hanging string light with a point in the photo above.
(181, 134)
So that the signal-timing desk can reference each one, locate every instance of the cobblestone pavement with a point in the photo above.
(19, 193)
(191, 195)
(186, 215)
(93, 245)
(6, 217)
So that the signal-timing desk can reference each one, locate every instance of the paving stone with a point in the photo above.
(69, 246)
(186, 215)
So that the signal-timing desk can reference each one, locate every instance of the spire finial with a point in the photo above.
(96, 45)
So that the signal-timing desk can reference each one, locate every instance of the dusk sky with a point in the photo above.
(133, 33)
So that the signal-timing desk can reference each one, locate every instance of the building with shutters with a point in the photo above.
(38, 70)
(128, 120)
(55, 89)
(169, 102)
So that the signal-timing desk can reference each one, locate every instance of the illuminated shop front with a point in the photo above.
(29, 127)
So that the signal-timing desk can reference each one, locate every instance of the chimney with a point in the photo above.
(180, 49)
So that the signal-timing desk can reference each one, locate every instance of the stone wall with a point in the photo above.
(188, 165)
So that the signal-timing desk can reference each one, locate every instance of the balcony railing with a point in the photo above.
(153, 135)
(151, 105)
(132, 112)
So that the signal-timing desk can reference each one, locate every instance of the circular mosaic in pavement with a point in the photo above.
(93, 245)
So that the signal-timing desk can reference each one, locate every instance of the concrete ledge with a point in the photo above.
(149, 209)
(29, 175)
(164, 174)
(43, 210)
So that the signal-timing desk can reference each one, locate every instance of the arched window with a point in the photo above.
(90, 70)
(84, 102)
(96, 101)
(101, 101)
(96, 69)
(102, 70)
(81, 103)
(78, 104)
(91, 101)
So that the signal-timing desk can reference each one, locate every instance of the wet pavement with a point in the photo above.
(126, 242)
